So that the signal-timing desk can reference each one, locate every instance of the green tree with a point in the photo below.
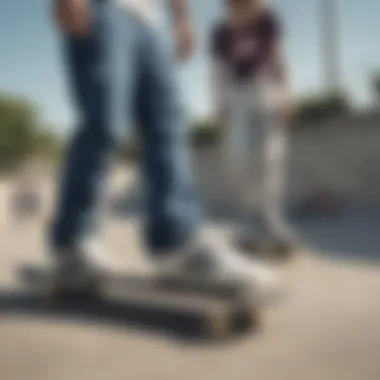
(322, 107)
(204, 132)
(22, 134)
(130, 150)
(48, 145)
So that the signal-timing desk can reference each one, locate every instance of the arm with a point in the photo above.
(277, 69)
(281, 78)
(218, 74)
(179, 10)
(72, 16)
(183, 28)
(280, 72)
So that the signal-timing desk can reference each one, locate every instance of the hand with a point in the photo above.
(285, 111)
(73, 16)
(184, 39)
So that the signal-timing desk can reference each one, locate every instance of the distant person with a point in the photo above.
(119, 66)
(26, 202)
(252, 104)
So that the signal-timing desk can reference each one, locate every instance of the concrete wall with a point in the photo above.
(342, 156)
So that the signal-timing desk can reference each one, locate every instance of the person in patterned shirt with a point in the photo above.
(252, 105)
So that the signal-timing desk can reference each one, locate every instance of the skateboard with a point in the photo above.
(211, 309)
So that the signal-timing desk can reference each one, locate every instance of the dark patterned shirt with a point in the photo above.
(246, 50)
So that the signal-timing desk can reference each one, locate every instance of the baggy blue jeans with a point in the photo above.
(123, 74)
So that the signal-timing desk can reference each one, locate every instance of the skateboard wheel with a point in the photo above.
(217, 325)
(246, 320)
(256, 318)
(223, 325)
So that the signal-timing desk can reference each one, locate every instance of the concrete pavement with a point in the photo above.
(329, 327)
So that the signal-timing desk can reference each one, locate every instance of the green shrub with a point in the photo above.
(204, 133)
(321, 108)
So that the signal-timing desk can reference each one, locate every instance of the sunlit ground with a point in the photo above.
(327, 328)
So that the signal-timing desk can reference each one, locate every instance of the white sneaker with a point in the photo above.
(211, 262)
(82, 267)
(97, 258)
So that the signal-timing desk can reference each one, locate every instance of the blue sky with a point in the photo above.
(30, 62)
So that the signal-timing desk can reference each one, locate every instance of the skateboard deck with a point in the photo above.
(207, 308)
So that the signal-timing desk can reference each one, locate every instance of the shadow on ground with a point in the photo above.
(179, 326)
(352, 234)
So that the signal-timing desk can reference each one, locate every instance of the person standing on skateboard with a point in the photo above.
(119, 66)
(252, 104)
